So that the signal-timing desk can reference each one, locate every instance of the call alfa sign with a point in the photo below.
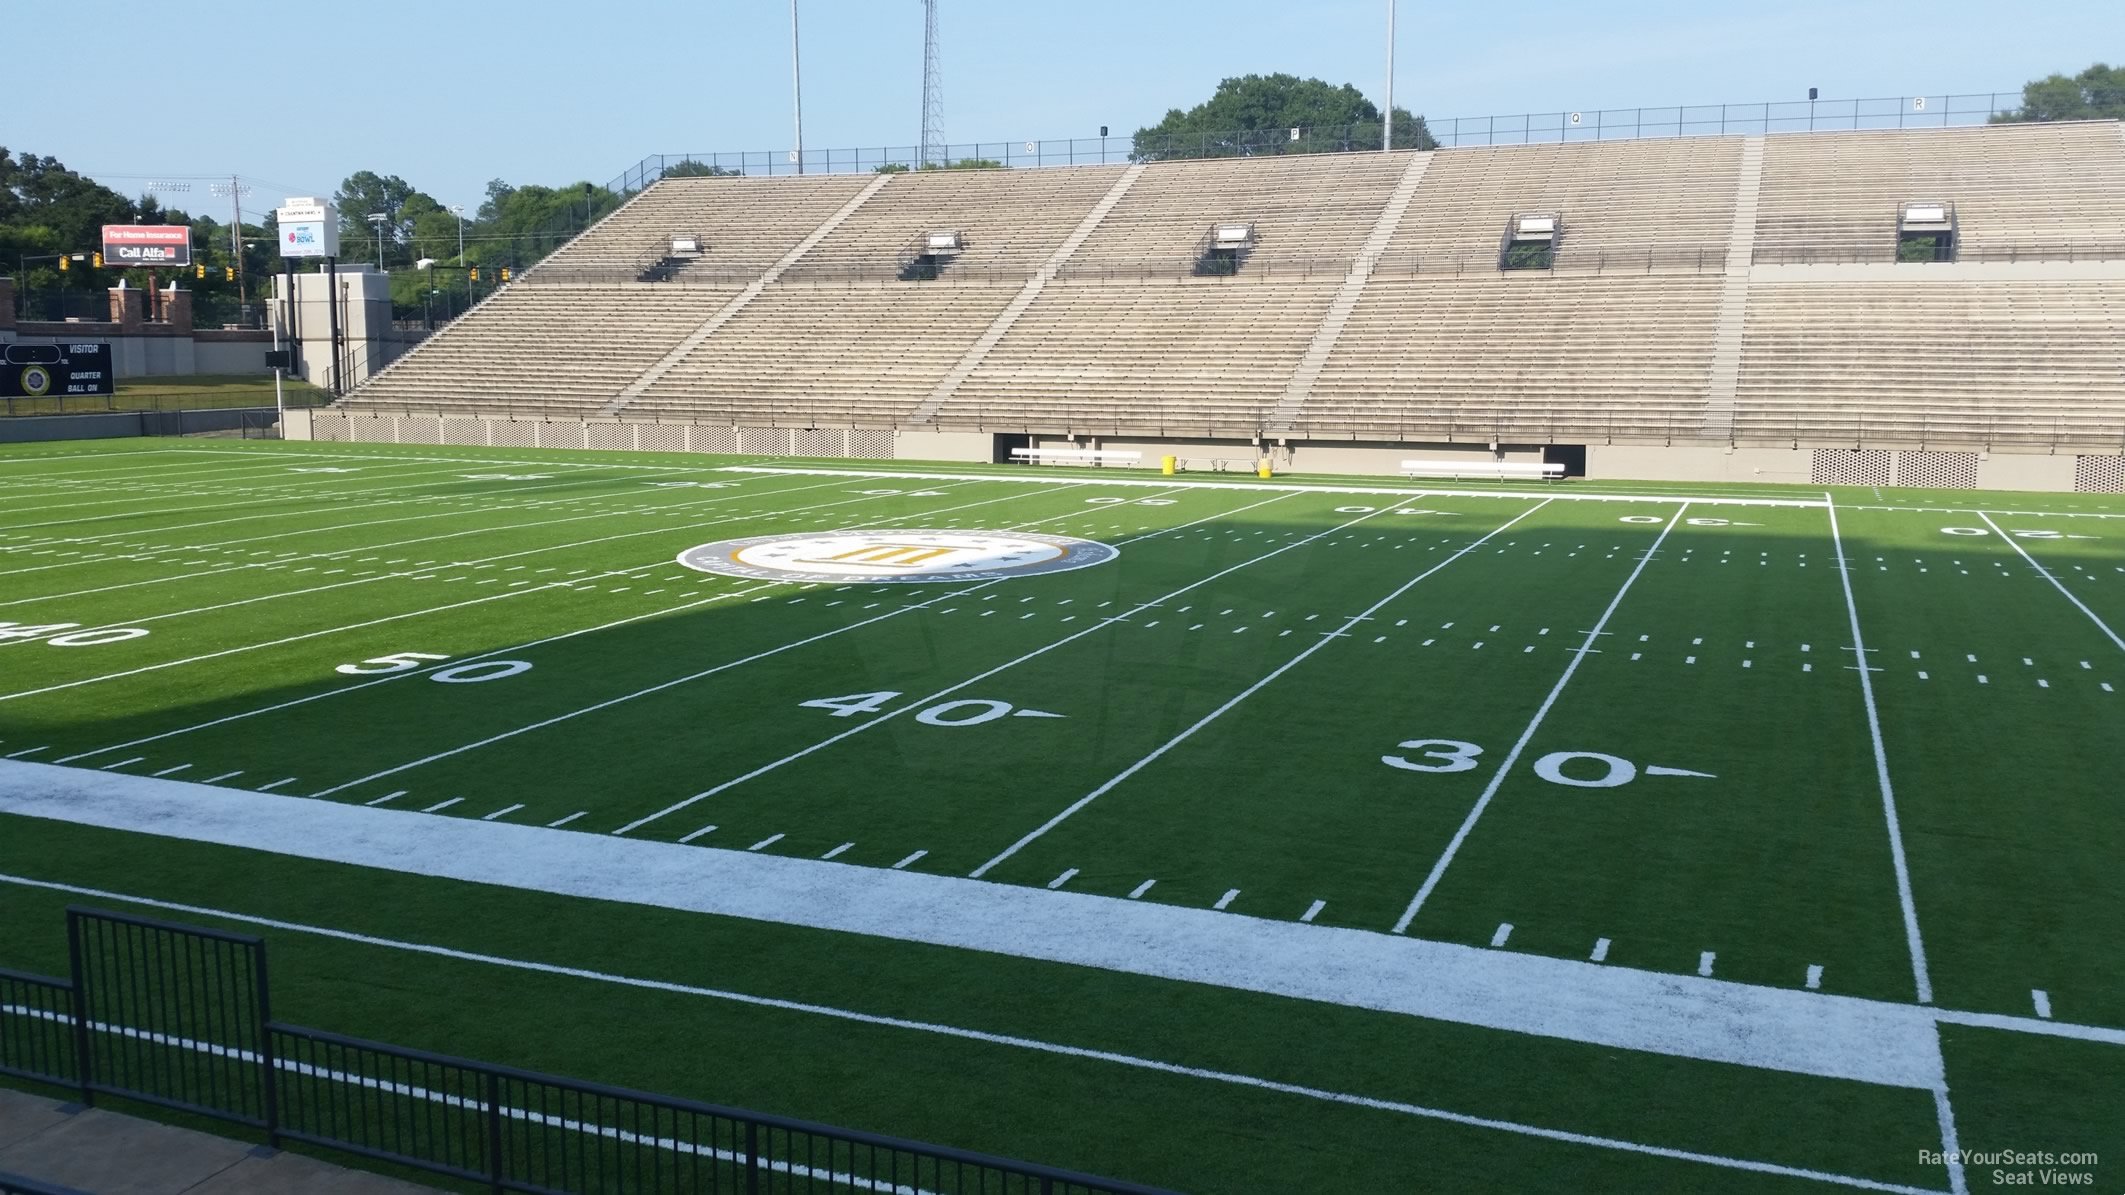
(127, 245)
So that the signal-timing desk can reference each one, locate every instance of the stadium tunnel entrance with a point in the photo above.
(1571, 456)
(1000, 451)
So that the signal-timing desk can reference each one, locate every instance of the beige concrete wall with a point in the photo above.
(1651, 462)
(230, 357)
(1938, 271)
(2025, 471)
(919, 445)
(295, 425)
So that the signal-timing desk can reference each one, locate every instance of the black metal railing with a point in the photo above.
(179, 1017)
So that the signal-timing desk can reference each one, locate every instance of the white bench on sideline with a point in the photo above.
(1076, 456)
(1486, 470)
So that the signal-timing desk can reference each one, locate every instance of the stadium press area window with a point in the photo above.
(930, 255)
(1925, 231)
(1225, 248)
(1531, 241)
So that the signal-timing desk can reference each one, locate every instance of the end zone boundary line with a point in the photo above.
(1288, 487)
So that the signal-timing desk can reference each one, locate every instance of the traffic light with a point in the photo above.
(199, 272)
(97, 261)
(475, 273)
(62, 263)
(505, 273)
(228, 273)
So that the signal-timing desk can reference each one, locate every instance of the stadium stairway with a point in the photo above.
(649, 376)
(1734, 295)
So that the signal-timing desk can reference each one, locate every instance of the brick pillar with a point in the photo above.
(177, 310)
(129, 308)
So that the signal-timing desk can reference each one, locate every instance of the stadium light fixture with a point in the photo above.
(378, 219)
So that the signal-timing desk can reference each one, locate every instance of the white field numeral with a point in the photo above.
(56, 634)
(965, 712)
(470, 673)
(395, 662)
(1448, 755)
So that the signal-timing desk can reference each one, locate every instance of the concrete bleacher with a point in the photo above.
(1671, 198)
(1933, 360)
(794, 317)
(2035, 191)
(1309, 213)
(1011, 221)
(553, 349)
(773, 364)
(1193, 356)
(744, 224)
(1525, 357)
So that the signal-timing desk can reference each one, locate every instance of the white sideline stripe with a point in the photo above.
(2046, 573)
(370, 1083)
(1118, 778)
(1921, 979)
(987, 1038)
(1497, 780)
(727, 665)
(1006, 666)
(1663, 499)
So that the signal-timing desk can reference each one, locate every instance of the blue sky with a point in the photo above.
(454, 92)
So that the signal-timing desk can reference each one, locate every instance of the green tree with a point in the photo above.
(2097, 93)
(1255, 114)
(693, 169)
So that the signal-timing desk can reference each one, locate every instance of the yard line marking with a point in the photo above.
(1505, 930)
(768, 841)
(386, 798)
(564, 821)
(123, 762)
(222, 777)
(172, 771)
(1601, 951)
(1062, 879)
(1300, 658)
(1815, 977)
(837, 850)
(266, 788)
(1497, 780)
(503, 812)
(2046, 573)
(910, 859)
(1958, 1183)
(1225, 900)
(1140, 889)
(698, 833)
(978, 678)
(1704, 963)
(1920, 979)
(439, 806)
(2041, 999)
(27, 751)
(1312, 911)
(1032, 1045)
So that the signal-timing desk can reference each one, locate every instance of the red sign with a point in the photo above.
(127, 245)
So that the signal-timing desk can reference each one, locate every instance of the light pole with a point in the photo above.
(1387, 131)
(235, 191)
(378, 219)
(796, 82)
(459, 210)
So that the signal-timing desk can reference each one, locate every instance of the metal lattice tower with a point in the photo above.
(932, 89)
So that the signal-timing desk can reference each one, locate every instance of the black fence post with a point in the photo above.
(268, 1065)
(83, 1065)
(494, 1130)
(752, 1157)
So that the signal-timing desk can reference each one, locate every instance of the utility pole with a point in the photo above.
(236, 191)
(796, 81)
(1387, 130)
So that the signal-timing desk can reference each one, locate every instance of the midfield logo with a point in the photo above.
(902, 556)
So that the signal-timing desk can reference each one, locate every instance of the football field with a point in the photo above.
(1208, 832)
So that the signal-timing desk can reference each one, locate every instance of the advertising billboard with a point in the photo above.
(308, 228)
(129, 245)
(54, 370)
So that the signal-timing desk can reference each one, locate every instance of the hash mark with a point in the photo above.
(136, 759)
(768, 841)
(698, 833)
(1704, 963)
(1312, 911)
(564, 821)
(1505, 930)
(504, 811)
(1226, 899)
(2042, 1000)
(1815, 977)
(1062, 879)
(1601, 951)
(1140, 889)
(909, 859)
(837, 850)
(386, 798)
(442, 805)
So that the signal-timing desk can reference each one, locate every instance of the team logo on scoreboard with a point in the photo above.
(904, 556)
(36, 380)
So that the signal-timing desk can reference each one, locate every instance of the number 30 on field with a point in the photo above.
(1453, 755)
(470, 673)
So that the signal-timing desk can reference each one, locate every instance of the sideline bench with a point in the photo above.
(1487, 470)
(1075, 456)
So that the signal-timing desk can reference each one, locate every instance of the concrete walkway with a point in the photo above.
(105, 1153)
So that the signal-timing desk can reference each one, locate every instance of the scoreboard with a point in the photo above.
(41, 370)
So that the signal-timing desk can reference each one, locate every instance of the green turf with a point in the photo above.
(1728, 653)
